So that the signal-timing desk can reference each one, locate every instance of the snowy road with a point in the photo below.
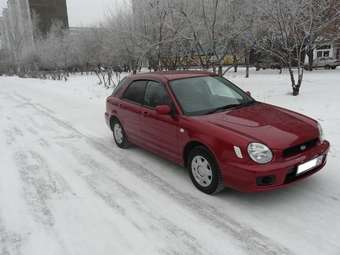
(66, 189)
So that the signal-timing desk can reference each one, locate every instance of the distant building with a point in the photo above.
(47, 12)
(2, 32)
(327, 48)
(141, 8)
(138, 10)
(5, 28)
(330, 49)
(23, 20)
(325, 54)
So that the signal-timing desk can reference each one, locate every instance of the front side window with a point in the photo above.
(156, 95)
(135, 92)
(204, 95)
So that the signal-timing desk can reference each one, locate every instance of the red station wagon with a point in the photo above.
(220, 133)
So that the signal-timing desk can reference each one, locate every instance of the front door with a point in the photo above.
(159, 132)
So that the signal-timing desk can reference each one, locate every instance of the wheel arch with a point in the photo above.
(190, 146)
(220, 184)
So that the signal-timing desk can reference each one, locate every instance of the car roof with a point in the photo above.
(172, 75)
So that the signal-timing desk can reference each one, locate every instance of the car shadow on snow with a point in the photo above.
(295, 191)
(180, 179)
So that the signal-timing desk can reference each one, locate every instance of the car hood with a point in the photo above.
(276, 127)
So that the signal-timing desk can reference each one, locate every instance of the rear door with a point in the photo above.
(130, 109)
(159, 132)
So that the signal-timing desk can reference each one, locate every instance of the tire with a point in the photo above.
(119, 135)
(204, 171)
(333, 67)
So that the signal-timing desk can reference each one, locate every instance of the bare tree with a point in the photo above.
(173, 34)
(287, 27)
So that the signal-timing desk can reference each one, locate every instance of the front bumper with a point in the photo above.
(245, 178)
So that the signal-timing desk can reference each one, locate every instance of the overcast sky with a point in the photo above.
(86, 12)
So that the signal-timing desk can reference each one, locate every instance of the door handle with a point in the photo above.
(145, 114)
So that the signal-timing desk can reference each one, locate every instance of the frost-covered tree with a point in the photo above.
(175, 34)
(290, 27)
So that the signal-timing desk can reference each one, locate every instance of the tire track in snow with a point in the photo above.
(12, 134)
(95, 181)
(250, 240)
(10, 243)
(112, 192)
(39, 185)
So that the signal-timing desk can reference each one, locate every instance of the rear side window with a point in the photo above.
(156, 95)
(135, 92)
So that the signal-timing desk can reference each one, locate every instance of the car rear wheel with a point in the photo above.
(204, 171)
(119, 135)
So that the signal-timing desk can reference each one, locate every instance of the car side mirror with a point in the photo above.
(248, 93)
(163, 109)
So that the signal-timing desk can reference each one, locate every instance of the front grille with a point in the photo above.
(300, 148)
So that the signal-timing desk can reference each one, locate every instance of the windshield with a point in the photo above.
(205, 95)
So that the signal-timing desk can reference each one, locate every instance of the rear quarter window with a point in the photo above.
(119, 86)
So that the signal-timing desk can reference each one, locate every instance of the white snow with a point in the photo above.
(66, 189)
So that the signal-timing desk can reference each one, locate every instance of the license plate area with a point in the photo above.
(310, 165)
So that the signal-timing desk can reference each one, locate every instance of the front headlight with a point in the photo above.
(260, 153)
(321, 133)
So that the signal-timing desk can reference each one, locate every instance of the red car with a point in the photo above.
(219, 132)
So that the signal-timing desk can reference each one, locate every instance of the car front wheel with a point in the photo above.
(119, 135)
(204, 171)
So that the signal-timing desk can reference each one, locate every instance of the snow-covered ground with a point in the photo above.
(66, 189)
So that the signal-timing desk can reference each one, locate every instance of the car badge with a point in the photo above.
(303, 147)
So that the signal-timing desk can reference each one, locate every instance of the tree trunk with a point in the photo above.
(247, 58)
(310, 55)
(220, 70)
(214, 68)
(296, 86)
(296, 90)
(235, 63)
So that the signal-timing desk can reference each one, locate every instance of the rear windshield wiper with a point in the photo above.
(226, 107)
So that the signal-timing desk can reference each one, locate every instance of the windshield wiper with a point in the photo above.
(226, 107)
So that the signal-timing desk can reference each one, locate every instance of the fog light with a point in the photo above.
(320, 160)
(265, 180)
